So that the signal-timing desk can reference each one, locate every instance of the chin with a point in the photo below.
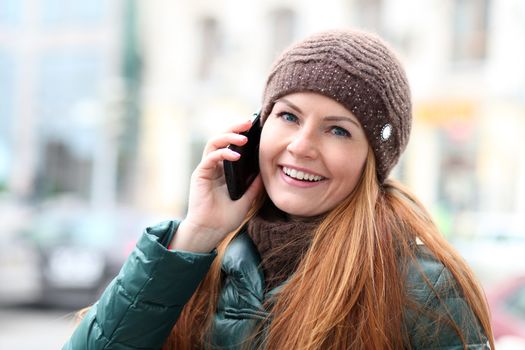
(296, 210)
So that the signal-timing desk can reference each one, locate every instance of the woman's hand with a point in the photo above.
(211, 212)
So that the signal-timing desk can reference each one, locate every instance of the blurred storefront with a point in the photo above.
(65, 108)
(457, 53)
(69, 82)
(468, 149)
(112, 101)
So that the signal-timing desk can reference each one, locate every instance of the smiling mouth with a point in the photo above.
(301, 175)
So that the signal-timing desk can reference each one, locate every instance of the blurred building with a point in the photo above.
(205, 65)
(467, 81)
(63, 88)
(114, 100)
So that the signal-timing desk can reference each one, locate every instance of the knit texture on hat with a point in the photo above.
(361, 72)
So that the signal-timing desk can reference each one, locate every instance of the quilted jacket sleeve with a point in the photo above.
(141, 305)
(439, 296)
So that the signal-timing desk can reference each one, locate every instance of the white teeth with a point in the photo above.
(299, 175)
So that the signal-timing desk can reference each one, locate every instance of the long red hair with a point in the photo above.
(349, 290)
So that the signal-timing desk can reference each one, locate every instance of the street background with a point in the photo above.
(105, 106)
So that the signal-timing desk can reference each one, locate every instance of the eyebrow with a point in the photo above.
(289, 104)
(338, 119)
(329, 118)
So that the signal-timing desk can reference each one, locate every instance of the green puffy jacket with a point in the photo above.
(140, 306)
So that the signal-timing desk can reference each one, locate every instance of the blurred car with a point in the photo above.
(19, 268)
(507, 304)
(73, 250)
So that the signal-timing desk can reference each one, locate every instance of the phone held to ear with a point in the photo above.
(240, 174)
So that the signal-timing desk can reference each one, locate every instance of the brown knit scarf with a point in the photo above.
(281, 241)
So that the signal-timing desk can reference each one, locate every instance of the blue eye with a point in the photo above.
(289, 117)
(338, 131)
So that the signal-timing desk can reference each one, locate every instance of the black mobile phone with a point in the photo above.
(240, 174)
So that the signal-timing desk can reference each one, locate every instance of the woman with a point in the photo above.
(323, 251)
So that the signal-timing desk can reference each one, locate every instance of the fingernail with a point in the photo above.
(233, 153)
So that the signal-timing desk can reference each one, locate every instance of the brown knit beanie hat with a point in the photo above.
(361, 72)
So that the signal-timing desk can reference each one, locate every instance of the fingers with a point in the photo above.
(216, 150)
(230, 136)
(212, 159)
(223, 141)
(241, 127)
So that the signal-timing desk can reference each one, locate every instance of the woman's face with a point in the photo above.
(312, 153)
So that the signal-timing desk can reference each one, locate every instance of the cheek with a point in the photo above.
(265, 149)
(349, 168)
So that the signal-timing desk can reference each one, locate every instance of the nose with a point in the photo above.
(304, 144)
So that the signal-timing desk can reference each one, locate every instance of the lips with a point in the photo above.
(302, 175)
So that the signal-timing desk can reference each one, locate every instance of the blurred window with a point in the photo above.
(209, 48)
(10, 12)
(63, 171)
(470, 30)
(6, 94)
(458, 187)
(57, 12)
(6, 113)
(283, 23)
(370, 14)
(65, 78)
(516, 303)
